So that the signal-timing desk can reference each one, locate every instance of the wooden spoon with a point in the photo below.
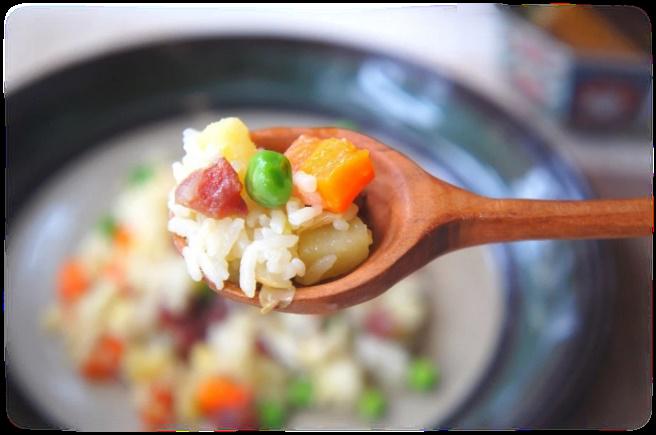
(415, 218)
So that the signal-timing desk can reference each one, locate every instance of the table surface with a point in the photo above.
(464, 41)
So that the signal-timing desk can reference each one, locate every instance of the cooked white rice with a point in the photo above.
(264, 243)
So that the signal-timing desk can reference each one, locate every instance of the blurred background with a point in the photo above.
(579, 77)
(535, 61)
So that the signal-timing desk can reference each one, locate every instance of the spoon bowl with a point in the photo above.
(416, 217)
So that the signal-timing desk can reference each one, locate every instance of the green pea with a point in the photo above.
(140, 174)
(107, 226)
(299, 393)
(203, 291)
(372, 404)
(271, 414)
(422, 374)
(269, 179)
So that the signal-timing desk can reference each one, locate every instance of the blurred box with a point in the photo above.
(588, 66)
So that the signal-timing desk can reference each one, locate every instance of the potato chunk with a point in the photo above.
(350, 247)
(233, 141)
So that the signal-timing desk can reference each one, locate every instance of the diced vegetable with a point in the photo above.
(145, 364)
(269, 179)
(122, 237)
(158, 410)
(204, 292)
(351, 247)
(104, 360)
(338, 381)
(372, 404)
(300, 393)
(72, 281)
(422, 375)
(341, 170)
(232, 138)
(214, 191)
(271, 415)
(107, 226)
(300, 150)
(217, 393)
(140, 174)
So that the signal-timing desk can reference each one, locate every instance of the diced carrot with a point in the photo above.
(300, 150)
(104, 360)
(346, 181)
(72, 281)
(122, 237)
(158, 410)
(341, 170)
(114, 270)
(217, 393)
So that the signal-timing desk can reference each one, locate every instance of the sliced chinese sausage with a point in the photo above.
(214, 191)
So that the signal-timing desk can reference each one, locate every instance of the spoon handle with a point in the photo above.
(502, 220)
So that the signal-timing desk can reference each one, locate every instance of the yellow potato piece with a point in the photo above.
(146, 364)
(351, 247)
(233, 140)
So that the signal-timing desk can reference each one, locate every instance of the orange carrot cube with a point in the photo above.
(105, 359)
(158, 410)
(72, 281)
(300, 150)
(122, 237)
(341, 169)
(216, 393)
